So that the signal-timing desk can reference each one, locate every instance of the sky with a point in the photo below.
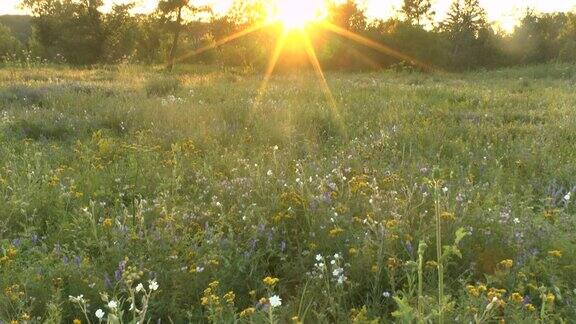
(502, 12)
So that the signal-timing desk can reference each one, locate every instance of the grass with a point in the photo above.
(119, 176)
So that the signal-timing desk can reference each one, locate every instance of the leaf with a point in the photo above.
(460, 234)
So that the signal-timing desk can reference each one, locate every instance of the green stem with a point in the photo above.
(439, 255)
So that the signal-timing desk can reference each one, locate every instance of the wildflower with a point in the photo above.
(139, 287)
(76, 321)
(269, 173)
(335, 232)
(431, 264)
(472, 290)
(153, 285)
(530, 307)
(275, 301)
(99, 313)
(229, 297)
(555, 253)
(568, 196)
(352, 251)
(270, 281)
(549, 298)
(79, 299)
(319, 257)
(107, 223)
(252, 293)
(448, 216)
(386, 294)
(247, 312)
(112, 305)
(506, 264)
(516, 297)
(296, 320)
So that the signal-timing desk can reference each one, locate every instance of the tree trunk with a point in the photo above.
(174, 47)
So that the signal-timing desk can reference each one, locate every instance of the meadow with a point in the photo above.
(131, 195)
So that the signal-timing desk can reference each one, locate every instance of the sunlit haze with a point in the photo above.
(504, 13)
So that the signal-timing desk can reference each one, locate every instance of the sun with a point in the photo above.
(296, 14)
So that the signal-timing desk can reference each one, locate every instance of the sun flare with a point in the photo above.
(296, 14)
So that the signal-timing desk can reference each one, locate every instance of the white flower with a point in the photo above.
(99, 314)
(568, 196)
(386, 294)
(79, 299)
(516, 220)
(341, 280)
(112, 304)
(336, 256)
(140, 287)
(275, 301)
(275, 147)
(153, 285)
(445, 189)
(319, 257)
(269, 173)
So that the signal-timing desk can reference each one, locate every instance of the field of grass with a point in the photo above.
(215, 196)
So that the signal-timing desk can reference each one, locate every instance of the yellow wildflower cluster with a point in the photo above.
(335, 232)
(247, 312)
(359, 184)
(270, 281)
(555, 253)
(550, 215)
(516, 297)
(282, 216)
(107, 223)
(13, 292)
(210, 297)
(447, 216)
(292, 199)
(506, 264)
(361, 316)
(229, 297)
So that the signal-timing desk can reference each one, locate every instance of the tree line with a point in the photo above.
(78, 32)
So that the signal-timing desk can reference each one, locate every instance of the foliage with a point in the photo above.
(227, 204)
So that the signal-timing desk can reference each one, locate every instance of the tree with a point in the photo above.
(122, 33)
(9, 45)
(69, 28)
(173, 11)
(462, 26)
(417, 11)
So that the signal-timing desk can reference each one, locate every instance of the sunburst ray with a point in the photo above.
(377, 46)
(221, 42)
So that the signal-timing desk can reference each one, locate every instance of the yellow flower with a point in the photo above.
(107, 223)
(506, 264)
(549, 298)
(214, 284)
(252, 293)
(516, 297)
(472, 290)
(530, 307)
(352, 251)
(270, 281)
(12, 252)
(77, 321)
(555, 253)
(296, 320)
(247, 312)
(335, 232)
(229, 297)
(431, 264)
(374, 269)
(448, 216)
